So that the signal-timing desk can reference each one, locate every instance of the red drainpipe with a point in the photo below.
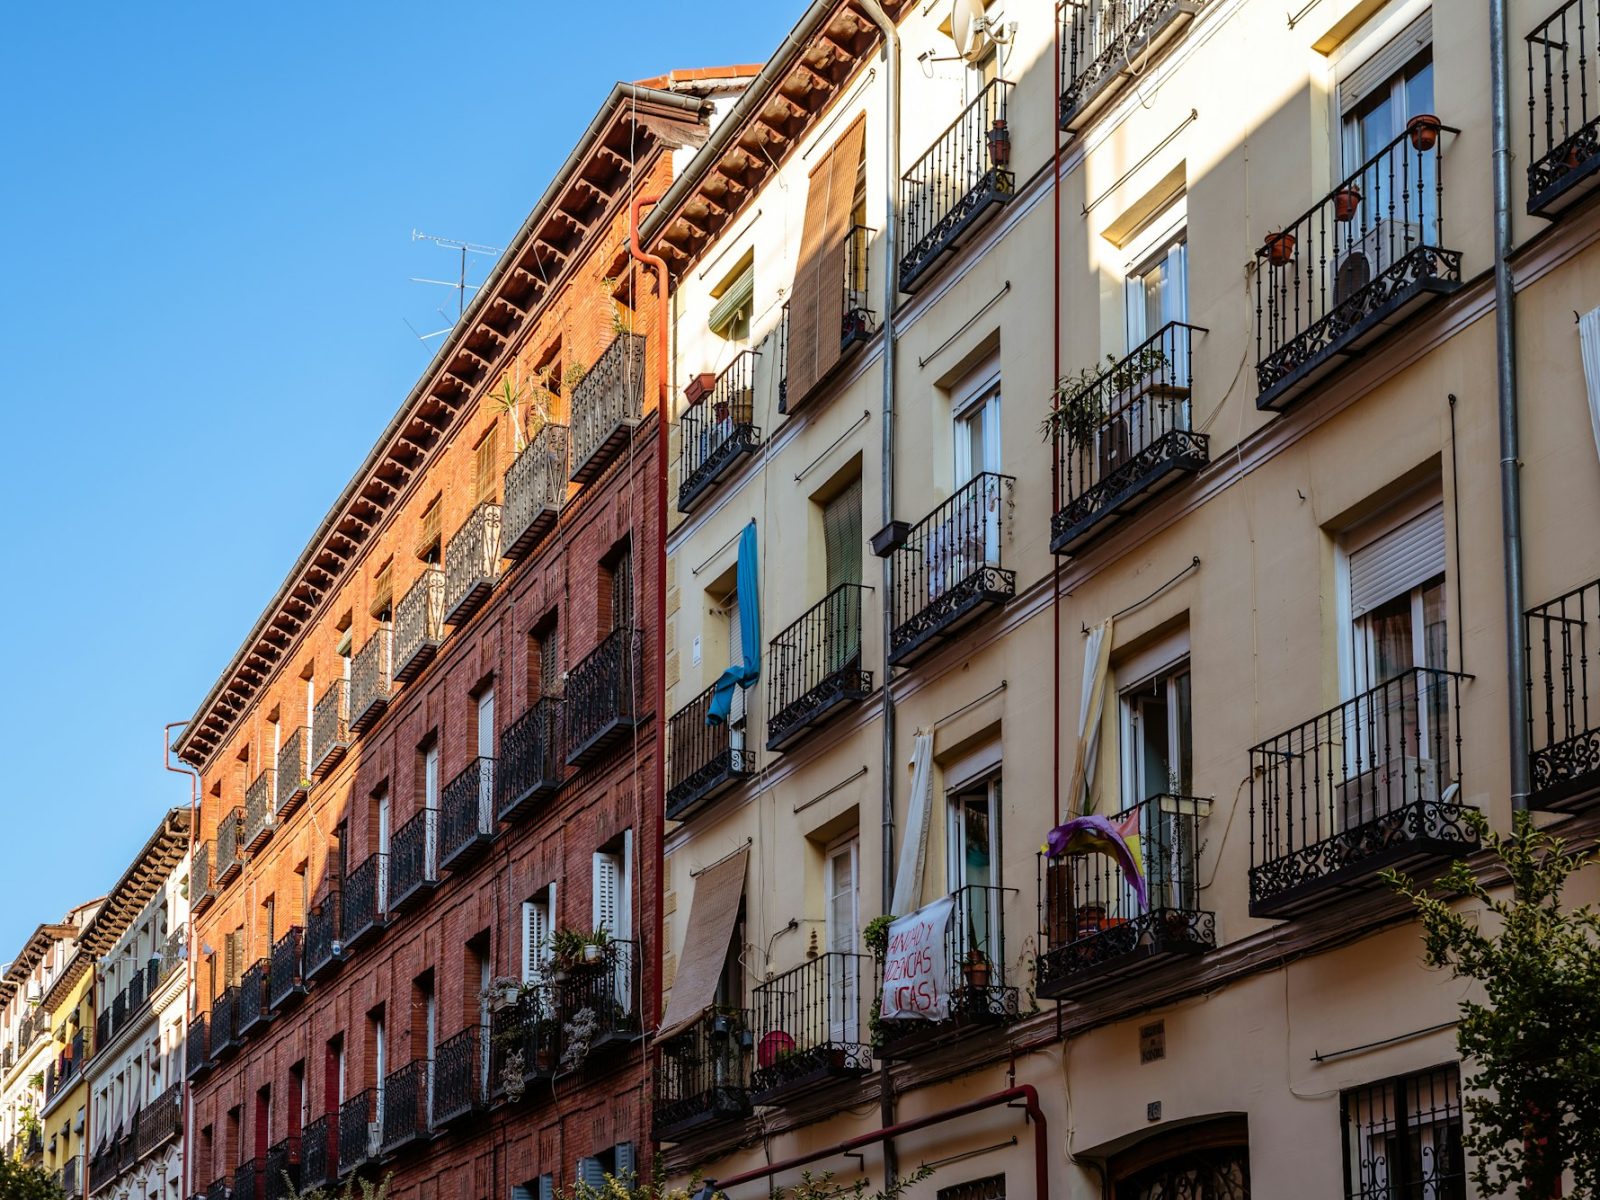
(1024, 1092)
(189, 961)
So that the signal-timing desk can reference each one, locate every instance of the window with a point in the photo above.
(977, 427)
(619, 576)
(1158, 278)
(1402, 1137)
(735, 301)
(1157, 737)
(842, 888)
(621, 1162)
(613, 903)
(428, 537)
(430, 776)
(974, 869)
(538, 923)
(841, 539)
(736, 711)
(485, 746)
(383, 591)
(485, 464)
(377, 1061)
(544, 659)
(1397, 601)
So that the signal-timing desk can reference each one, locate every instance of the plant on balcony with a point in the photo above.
(356, 1188)
(577, 1035)
(875, 937)
(1533, 1097)
(822, 1187)
(1079, 398)
(19, 1181)
(633, 1187)
(577, 950)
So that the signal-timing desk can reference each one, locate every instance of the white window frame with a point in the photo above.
(1351, 646)
(1131, 735)
(980, 394)
(955, 841)
(1152, 245)
(540, 909)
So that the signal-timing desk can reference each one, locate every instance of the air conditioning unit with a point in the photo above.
(1358, 261)
(1398, 783)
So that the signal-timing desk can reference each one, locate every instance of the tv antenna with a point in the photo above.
(459, 285)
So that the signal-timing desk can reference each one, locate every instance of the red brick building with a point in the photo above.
(435, 755)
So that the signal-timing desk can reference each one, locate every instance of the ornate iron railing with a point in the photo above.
(322, 936)
(458, 1076)
(330, 728)
(104, 1167)
(219, 1189)
(419, 624)
(781, 342)
(525, 1039)
(160, 1121)
(603, 695)
(536, 489)
(364, 901)
(360, 1126)
(282, 1180)
(466, 814)
(196, 1052)
(859, 320)
(716, 433)
(230, 836)
(472, 564)
(1563, 106)
(530, 764)
(253, 1010)
(202, 880)
(1563, 730)
(956, 184)
(406, 1102)
(811, 1025)
(705, 1074)
(1344, 272)
(814, 666)
(319, 1152)
(370, 681)
(260, 810)
(705, 760)
(128, 1146)
(286, 978)
(1124, 435)
(597, 1004)
(294, 773)
(71, 1177)
(224, 1032)
(606, 404)
(414, 860)
(248, 1178)
(1099, 41)
(1369, 783)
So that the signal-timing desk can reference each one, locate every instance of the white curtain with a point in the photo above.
(1096, 670)
(914, 846)
(1589, 342)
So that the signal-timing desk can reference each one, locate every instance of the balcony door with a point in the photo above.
(384, 819)
(841, 537)
(843, 886)
(1157, 762)
(974, 868)
(970, 539)
(485, 748)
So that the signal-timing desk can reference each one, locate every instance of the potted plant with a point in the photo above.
(1346, 201)
(1424, 132)
(1280, 247)
(976, 969)
(566, 951)
(999, 138)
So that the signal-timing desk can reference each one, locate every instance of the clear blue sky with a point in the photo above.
(205, 220)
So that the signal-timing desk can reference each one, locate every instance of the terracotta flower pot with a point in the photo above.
(999, 143)
(1280, 248)
(1346, 201)
(1424, 132)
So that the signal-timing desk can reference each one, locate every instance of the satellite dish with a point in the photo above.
(966, 21)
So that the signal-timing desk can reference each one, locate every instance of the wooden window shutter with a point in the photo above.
(487, 458)
(383, 590)
(816, 306)
(428, 539)
(841, 536)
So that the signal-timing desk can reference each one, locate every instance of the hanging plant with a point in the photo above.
(1280, 248)
(1346, 201)
(1423, 130)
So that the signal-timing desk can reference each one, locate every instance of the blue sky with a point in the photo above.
(205, 252)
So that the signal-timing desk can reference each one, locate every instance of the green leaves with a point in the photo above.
(21, 1182)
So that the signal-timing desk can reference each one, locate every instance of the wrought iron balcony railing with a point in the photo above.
(128, 1145)
(202, 878)
(1125, 437)
(603, 696)
(705, 1075)
(286, 979)
(859, 320)
(811, 1026)
(1563, 728)
(330, 728)
(104, 1168)
(360, 1131)
(252, 1011)
(294, 774)
(1373, 782)
(606, 405)
(717, 433)
(1093, 928)
(980, 997)
(466, 815)
(282, 1180)
(705, 760)
(1363, 259)
(364, 902)
(814, 667)
(525, 1040)
(419, 624)
(319, 1153)
(956, 185)
(160, 1121)
(260, 810)
(536, 489)
(230, 848)
(606, 991)
(472, 564)
(224, 1033)
(414, 860)
(781, 342)
(1100, 38)
(1563, 107)
(460, 1066)
(950, 572)
(370, 681)
(196, 1051)
(322, 948)
(219, 1189)
(530, 765)
(71, 1177)
(407, 1099)
(248, 1180)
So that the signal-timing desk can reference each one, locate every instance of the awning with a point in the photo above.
(717, 893)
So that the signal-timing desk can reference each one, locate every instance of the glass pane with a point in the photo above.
(1155, 766)
(1435, 634)
(1183, 712)
(1389, 639)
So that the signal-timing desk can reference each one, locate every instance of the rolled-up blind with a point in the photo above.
(1356, 85)
(1398, 561)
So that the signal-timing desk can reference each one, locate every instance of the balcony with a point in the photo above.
(330, 728)
(319, 1153)
(249, 1178)
(608, 992)
(252, 1012)
(370, 682)
(601, 705)
(705, 760)
(230, 836)
(858, 321)
(202, 883)
(719, 432)
(949, 574)
(1365, 258)
(815, 667)
(70, 1177)
(260, 816)
(1124, 438)
(103, 1168)
(196, 1054)
(419, 624)
(471, 564)
(1093, 929)
(363, 904)
(530, 765)
(414, 861)
(294, 775)
(283, 1170)
(285, 981)
(406, 1101)
(323, 953)
(160, 1122)
(224, 1033)
(980, 998)
(1374, 782)
(524, 1041)
(607, 404)
(1563, 132)
(956, 186)
(1563, 730)
(466, 815)
(219, 1189)
(809, 1031)
(1106, 45)
(460, 1065)
(359, 1131)
(536, 488)
(704, 1075)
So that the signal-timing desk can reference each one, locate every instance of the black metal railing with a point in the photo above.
(1369, 783)
(1093, 926)
(286, 979)
(951, 568)
(1345, 271)
(319, 1152)
(363, 903)
(224, 1033)
(458, 1076)
(322, 937)
(1563, 729)
(600, 999)
(606, 404)
(859, 320)
(71, 1177)
(705, 760)
(406, 1095)
(282, 1180)
(704, 1075)
(414, 860)
(466, 814)
(260, 810)
(253, 1010)
(1107, 41)
(536, 488)
(230, 838)
(196, 1052)
(202, 879)
(160, 1121)
(525, 1039)
(956, 183)
(419, 624)
(1124, 434)
(530, 763)
(330, 728)
(603, 695)
(781, 349)
(248, 1178)
(814, 666)
(219, 1189)
(294, 771)
(370, 681)
(1563, 106)
(359, 1120)
(716, 433)
(811, 1026)
(472, 564)
(103, 1167)
(128, 1146)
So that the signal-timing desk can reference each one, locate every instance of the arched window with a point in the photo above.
(1197, 1162)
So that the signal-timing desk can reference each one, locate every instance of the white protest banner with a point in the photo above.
(916, 966)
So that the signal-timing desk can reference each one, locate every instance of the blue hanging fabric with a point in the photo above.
(745, 673)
